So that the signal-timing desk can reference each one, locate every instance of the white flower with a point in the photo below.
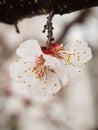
(42, 71)
(36, 72)
(71, 56)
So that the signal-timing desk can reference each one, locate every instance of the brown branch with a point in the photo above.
(12, 11)
(49, 28)
(17, 29)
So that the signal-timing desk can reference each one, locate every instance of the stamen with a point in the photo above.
(19, 76)
(55, 84)
(84, 52)
(29, 85)
(24, 81)
(42, 71)
(68, 75)
(53, 94)
(25, 71)
(17, 58)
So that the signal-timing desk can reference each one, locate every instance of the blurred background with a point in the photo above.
(74, 107)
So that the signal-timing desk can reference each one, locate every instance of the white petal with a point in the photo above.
(52, 85)
(34, 87)
(72, 72)
(61, 73)
(57, 66)
(80, 52)
(39, 88)
(77, 42)
(20, 70)
(51, 61)
(29, 49)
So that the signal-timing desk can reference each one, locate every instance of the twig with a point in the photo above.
(17, 29)
(49, 28)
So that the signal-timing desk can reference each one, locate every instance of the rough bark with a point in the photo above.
(12, 11)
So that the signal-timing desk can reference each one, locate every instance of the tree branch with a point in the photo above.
(11, 11)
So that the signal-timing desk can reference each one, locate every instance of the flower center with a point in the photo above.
(42, 71)
(57, 51)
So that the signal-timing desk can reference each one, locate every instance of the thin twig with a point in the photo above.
(49, 28)
(17, 29)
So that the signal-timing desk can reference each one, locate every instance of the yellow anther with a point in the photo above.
(68, 75)
(25, 71)
(74, 53)
(19, 76)
(74, 65)
(77, 40)
(55, 84)
(17, 58)
(61, 89)
(67, 85)
(29, 85)
(78, 58)
(43, 88)
(53, 94)
(85, 62)
(24, 82)
(45, 82)
(69, 55)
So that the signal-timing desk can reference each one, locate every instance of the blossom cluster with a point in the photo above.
(42, 71)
